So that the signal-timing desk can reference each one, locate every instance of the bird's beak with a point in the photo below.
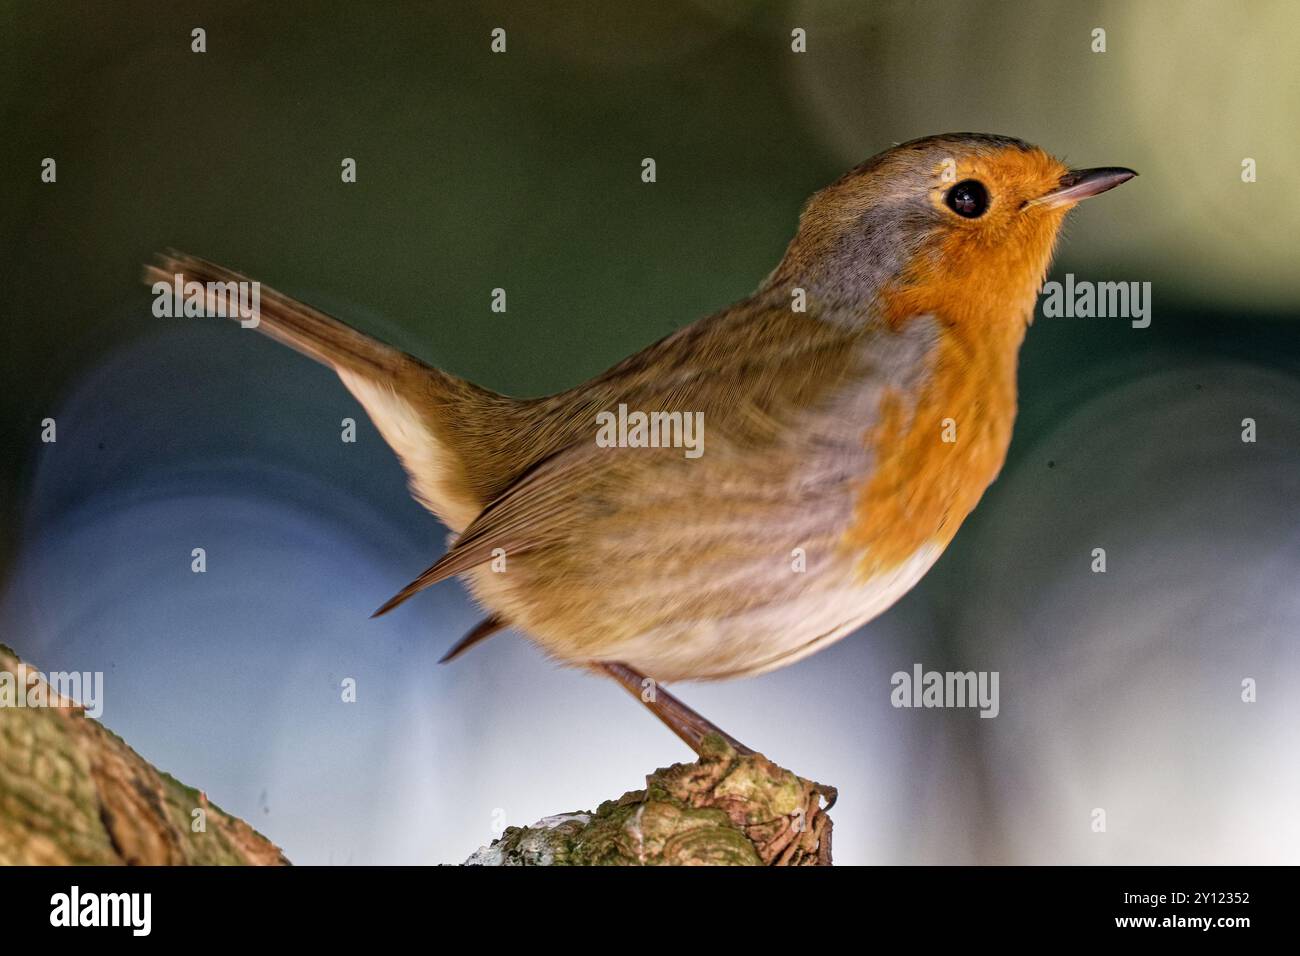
(1079, 184)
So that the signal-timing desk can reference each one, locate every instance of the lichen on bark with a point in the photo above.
(726, 809)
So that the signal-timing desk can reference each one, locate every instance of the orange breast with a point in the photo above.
(935, 451)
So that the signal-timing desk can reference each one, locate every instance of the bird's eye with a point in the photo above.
(968, 198)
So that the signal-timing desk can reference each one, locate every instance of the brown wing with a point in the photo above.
(516, 522)
(748, 391)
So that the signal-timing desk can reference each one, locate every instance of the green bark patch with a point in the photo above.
(723, 810)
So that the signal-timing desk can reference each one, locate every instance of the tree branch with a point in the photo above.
(724, 809)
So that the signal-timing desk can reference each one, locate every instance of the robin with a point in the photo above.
(840, 423)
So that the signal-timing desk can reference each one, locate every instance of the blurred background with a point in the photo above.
(1120, 691)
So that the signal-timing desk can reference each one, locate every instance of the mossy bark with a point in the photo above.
(73, 792)
(723, 810)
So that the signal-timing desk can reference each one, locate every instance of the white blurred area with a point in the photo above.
(1123, 690)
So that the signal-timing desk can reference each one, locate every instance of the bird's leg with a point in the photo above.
(676, 716)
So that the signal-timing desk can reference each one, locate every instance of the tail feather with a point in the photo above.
(479, 632)
(415, 407)
(304, 329)
(461, 445)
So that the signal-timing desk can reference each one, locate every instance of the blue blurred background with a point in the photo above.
(1119, 691)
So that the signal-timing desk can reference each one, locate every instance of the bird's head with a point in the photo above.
(971, 216)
